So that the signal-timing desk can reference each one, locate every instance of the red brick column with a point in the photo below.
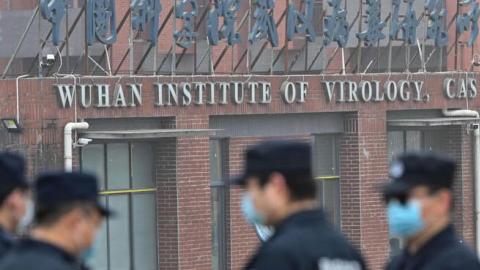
(458, 144)
(363, 169)
(167, 218)
(193, 187)
(466, 167)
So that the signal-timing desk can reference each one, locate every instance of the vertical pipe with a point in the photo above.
(18, 96)
(67, 142)
(359, 47)
(174, 43)
(67, 38)
(476, 134)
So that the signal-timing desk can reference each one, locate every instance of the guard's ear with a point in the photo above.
(13, 199)
(445, 200)
(278, 182)
(72, 218)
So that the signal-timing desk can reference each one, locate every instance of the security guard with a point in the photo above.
(67, 217)
(14, 197)
(281, 192)
(419, 207)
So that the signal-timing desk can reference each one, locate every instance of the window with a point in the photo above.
(125, 170)
(220, 198)
(325, 157)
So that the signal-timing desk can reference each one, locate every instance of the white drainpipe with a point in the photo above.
(460, 113)
(476, 153)
(18, 95)
(68, 144)
(476, 134)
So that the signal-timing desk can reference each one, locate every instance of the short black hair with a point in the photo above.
(300, 183)
(47, 215)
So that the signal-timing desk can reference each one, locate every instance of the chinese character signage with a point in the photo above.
(145, 14)
(264, 27)
(301, 22)
(408, 25)
(336, 25)
(186, 10)
(221, 21)
(469, 21)
(101, 23)
(373, 34)
(53, 11)
(226, 9)
(436, 13)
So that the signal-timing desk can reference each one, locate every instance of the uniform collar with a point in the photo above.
(48, 248)
(444, 238)
(301, 217)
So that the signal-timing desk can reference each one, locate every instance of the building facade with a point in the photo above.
(170, 112)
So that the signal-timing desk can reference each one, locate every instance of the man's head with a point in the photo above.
(278, 175)
(419, 194)
(14, 191)
(67, 204)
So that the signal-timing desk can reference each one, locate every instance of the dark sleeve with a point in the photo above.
(467, 262)
(275, 259)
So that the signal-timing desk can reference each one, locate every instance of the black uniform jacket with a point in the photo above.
(306, 241)
(443, 252)
(6, 242)
(31, 254)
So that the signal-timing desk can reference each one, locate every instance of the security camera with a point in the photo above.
(81, 142)
(50, 57)
(48, 60)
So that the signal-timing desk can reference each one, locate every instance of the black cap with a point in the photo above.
(280, 156)
(421, 168)
(12, 173)
(56, 188)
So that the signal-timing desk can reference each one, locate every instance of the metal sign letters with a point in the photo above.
(374, 33)
(228, 10)
(469, 20)
(264, 26)
(298, 22)
(101, 23)
(146, 14)
(436, 29)
(186, 36)
(53, 11)
(221, 21)
(336, 26)
(409, 24)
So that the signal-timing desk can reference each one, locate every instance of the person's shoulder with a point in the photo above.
(30, 259)
(314, 243)
(458, 256)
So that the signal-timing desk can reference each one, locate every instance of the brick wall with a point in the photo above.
(457, 142)
(363, 169)
(363, 158)
(194, 207)
(167, 215)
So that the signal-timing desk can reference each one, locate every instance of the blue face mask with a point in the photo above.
(251, 214)
(404, 220)
(87, 255)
